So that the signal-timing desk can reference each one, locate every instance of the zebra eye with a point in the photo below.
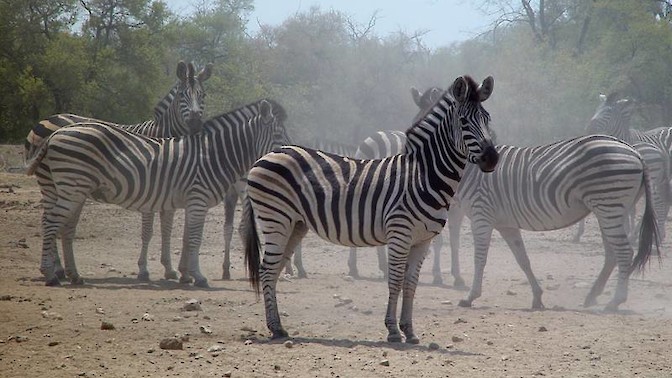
(464, 121)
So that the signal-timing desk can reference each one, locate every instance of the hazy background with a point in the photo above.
(342, 69)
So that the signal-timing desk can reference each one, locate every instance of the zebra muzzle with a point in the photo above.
(489, 159)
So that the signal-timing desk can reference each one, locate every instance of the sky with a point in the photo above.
(445, 21)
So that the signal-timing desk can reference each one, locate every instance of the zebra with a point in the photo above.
(112, 165)
(237, 192)
(178, 113)
(401, 200)
(553, 186)
(612, 117)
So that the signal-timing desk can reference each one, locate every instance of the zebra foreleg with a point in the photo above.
(580, 229)
(352, 263)
(515, 242)
(415, 258)
(482, 239)
(230, 201)
(398, 257)
(194, 220)
(68, 236)
(455, 218)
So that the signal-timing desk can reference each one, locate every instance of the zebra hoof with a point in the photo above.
(171, 275)
(589, 302)
(60, 274)
(279, 334)
(201, 283)
(226, 276)
(186, 280)
(53, 282)
(394, 338)
(302, 274)
(611, 308)
(438, 281)
(143, 277)
(538, 306)
(412, 340)
(464, 303)
(77, 281)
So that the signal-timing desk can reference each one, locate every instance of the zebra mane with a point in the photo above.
(253, 108)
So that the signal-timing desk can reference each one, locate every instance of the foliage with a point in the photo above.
(113, 59)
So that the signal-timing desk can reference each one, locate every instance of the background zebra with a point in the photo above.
(612, 117)
(112, 165)
(178, 113)
(551, 187)
(401, 201)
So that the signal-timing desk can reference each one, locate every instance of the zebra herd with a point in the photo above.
(395, 189)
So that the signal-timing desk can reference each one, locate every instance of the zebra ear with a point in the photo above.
(435, 95)
(416, 96)
(460, 89)
(182, 71)
(265, 109)
(603, 97)
(205, 73)
(485, 89)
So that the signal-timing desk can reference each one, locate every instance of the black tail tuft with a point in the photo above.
(251, 237)
(648, 232)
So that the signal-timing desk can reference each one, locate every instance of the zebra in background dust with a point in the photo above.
(112, 165)
(179, 113)
(553, 186)
(401, 201)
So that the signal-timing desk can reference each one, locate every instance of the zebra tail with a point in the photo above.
(648, 232)
(252, 245)
(34, 158)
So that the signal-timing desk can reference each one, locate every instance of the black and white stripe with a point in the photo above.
(178, 113)
(553, 186)
(115, 166)
(401, 201)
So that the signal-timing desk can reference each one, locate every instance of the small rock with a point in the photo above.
(52, 315)
(216, 348)
(510, 292)
(433, 346)
(100, 311)
(446, 302)
(543, 329)
(5, 297)
(489, 342)
(348, 278)
(54, 343)
(106, 325)
(385, 362)
(288, 344)
(284, 313)
(459, 320)
(457, 339)
(19, 338)
(192, 305)
(177, 318)
(205, 329)
(184, 338)
(505, 358)
(171, 343)
(148, 318)
(248, 342)
(227, 374)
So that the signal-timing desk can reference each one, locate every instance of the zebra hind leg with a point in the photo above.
(57, 214)
(167, 218)
(146, 236)
(230, 201)
(298, 262)
(68, 236)
(278, 252)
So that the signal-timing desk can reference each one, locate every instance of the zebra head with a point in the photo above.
(425, 100)
(612, 116)
(473, 121)
(189, 101)
(270, 127)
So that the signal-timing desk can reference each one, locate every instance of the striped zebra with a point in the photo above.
(178, 113)
(553, 186)
(401, 201)
(612, 117)
(112, 165)
(238, 192)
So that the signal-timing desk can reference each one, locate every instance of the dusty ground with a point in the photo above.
(56, 332)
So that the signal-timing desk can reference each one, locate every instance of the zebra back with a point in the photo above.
(332, 146)
(178, 113)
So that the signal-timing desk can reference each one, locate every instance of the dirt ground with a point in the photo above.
(56, 331)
